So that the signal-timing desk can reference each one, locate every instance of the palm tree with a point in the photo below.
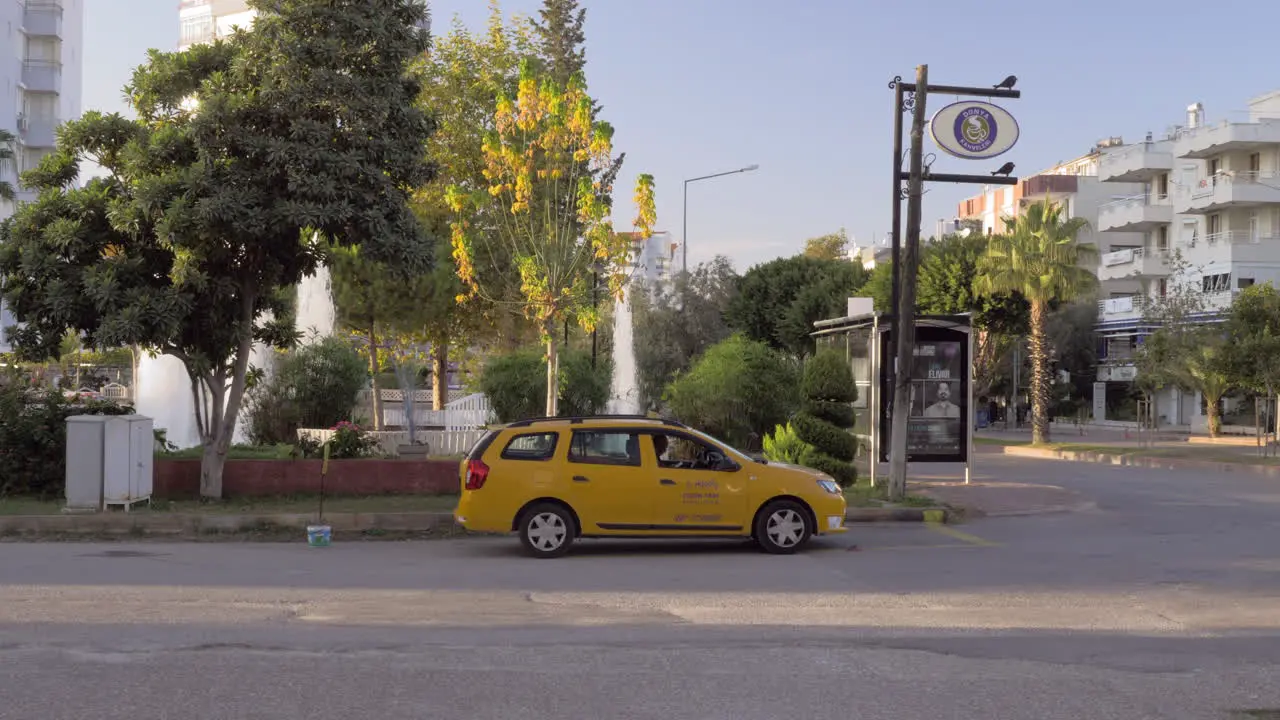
(1039, 258)
(7, 157)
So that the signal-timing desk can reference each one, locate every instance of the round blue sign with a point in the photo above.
(976, 129)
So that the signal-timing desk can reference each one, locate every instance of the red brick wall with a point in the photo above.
(178, 479)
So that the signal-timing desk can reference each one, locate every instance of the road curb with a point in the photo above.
(188, 525)
(1151, 463)
(899, 514)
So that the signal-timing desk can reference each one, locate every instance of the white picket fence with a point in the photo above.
(464, 412)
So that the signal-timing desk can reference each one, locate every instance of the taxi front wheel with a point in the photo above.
(782, 527)
(547, 530)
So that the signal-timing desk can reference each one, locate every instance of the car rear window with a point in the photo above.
(531, 446)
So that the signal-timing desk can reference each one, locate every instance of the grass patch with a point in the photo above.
(864, 495)
(253, 506)
(1002, 442)
(236, 452)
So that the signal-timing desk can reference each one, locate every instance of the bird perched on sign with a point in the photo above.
(1005, 169)
(1007, 83)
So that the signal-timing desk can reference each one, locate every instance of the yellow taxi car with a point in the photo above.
(555, 480)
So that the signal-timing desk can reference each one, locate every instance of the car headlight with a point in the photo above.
(830, 486)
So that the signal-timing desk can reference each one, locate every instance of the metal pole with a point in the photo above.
(895, 232)
(905, 311)
(684, 233)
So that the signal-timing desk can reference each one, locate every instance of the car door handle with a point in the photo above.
(665, 481)
(581, 478)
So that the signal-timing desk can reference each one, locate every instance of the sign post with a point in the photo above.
(968, 130)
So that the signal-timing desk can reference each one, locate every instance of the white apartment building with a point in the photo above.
(651, 258)
(202, 21)
(41, 78)
(1209, 192)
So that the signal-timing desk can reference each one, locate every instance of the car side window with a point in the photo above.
(531, 446)
(605, 447)
(684, 453)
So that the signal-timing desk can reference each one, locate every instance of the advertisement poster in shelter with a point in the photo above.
(938, 414)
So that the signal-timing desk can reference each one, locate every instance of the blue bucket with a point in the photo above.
(319, 535)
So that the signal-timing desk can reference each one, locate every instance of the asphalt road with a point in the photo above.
(1162, 603)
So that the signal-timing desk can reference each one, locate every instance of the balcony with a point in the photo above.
(1135, 163)
(1037, 187)
(42, 76)
(1242, 246)
(1134, 214)
(1134, 263)
(1206, 141)
(39, 132)
(42, 20)
(1122, 309)
(1229, 189)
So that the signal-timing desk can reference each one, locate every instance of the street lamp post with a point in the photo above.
(684, 232)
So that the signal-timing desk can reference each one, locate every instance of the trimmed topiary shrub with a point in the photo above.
(826, 416)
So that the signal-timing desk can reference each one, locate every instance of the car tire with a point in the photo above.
(547, 530)
(783, 527)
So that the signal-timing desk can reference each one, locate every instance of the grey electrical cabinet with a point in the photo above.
(84, 461)
(109, 460)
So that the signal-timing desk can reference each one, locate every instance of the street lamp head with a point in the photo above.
(749, 168)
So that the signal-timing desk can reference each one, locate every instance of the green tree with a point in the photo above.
(1185, 351)
(1253, 329)
(739, 390)
(511, 382)
(463, 75)
(826, 417)
(778, 301)
(1039, 259)
(534, 170)
(674, 325)
(7, 160)
(832, 246)
(245, 151)
(561, 39)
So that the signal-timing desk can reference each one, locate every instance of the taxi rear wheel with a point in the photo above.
(783, 527)
(547, 530)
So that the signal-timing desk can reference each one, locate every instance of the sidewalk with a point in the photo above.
(992, 498)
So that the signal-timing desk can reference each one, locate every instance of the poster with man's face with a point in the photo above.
(933, 425)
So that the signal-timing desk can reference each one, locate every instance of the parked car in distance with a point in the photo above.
(554, 480)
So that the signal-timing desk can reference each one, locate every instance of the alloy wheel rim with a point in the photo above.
(547, 531)
(785, 528)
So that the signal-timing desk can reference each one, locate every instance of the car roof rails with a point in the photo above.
(577, 420)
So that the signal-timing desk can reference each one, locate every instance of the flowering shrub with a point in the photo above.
(349, 441)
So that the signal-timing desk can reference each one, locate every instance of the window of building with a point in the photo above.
(1162, 186)
(1220, 282)
(1162, 238)
(1213, 224)
(196, 30)
(1244, 282)
(1162, 287)
(1255, 162)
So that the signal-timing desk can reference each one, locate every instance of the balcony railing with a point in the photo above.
(1209, 183)
(1238, 237)
(42, 76)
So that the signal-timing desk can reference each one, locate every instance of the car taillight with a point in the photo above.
(477, 473)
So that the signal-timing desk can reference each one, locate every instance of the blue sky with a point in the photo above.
(696, 87)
